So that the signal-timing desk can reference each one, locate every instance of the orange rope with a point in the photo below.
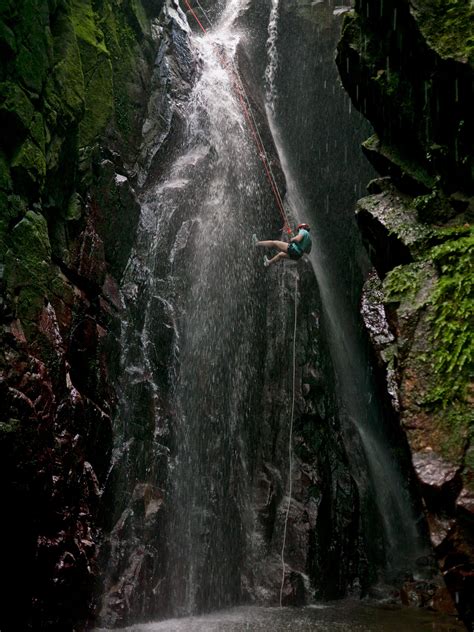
(244, 100)
(195, 16)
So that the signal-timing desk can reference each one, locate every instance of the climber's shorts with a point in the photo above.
(294, 252)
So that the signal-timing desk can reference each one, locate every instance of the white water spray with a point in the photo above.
(272, 55)
(357, 400)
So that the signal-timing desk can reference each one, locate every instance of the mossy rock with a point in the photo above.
(12, 208)
(32, 61)
(97, 71)
(99, 96)
(453, 317)
(16, 114)
(30, 238)
(28, 168)
(37, 131)
(5, 176)
(137, 17)
(448, 27)
(28, 267)
(7, 41)
(65, 90)
(74, 208)
(389, 160)
(389, 223)
(410, 285)
(122, 42)
(434, 207)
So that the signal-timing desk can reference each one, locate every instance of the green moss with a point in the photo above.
(28, 167)
(16, 109)
(32, 60)
(442, 287)
(5, 177)
(84, 21)
(433, 207)
(448, 26)
(122, 42)
(30, 238)
(29, 303)
(396, 91)
(9, 427)
(74, 208)
(140, 15)
(457, 428)
(12, 207)
(99, 97)
(65, 91)
(29, 253)
(469, 461)
(453, 319)
(97, 71)
(7, 39)
(394, 156)
(28, 267)
(37, 131)
(409, 285)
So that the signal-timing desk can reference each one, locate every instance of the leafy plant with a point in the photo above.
(453, 318)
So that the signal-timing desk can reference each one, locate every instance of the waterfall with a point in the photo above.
(205, 361)
(272, 55)
(198, 275)
(372, 461)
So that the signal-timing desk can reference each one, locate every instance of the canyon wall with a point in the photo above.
(408, 68)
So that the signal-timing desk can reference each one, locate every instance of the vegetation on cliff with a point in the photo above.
(408, 67)
(73, 83)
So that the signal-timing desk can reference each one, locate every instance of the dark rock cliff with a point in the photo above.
(86, 112)
(408, 67)
(144, 570)
(90, 93)
(73, 88)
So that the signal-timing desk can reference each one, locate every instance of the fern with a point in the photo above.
(453, 318)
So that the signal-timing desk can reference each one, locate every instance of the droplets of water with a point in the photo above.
(272, 55)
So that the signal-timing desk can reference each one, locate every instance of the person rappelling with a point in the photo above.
(294, 249)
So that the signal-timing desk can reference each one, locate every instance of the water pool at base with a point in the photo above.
(346, 616)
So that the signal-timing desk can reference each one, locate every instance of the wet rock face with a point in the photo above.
(139, 551)
(71, 99)
(324, 553)
(50, 438)
(399, 73)
(415, 88)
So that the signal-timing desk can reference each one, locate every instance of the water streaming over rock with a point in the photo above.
(201, 457)
(272, 52)
(373, 463)
(194, 250)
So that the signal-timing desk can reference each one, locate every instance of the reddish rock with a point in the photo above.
(465, 502)
(439, 528)
(434, 471)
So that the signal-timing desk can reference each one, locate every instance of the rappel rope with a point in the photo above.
(290, 447)
(247, 110)
(203, 12)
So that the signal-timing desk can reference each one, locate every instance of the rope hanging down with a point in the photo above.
(241, 93)
(290, 447)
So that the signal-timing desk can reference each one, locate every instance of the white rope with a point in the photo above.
(249, 107)
(290, 448)
(205, 14)
(241, 85)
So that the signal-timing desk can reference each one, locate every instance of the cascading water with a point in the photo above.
(194, 254)
(272, 53)
(359, 404)
(206, 369)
